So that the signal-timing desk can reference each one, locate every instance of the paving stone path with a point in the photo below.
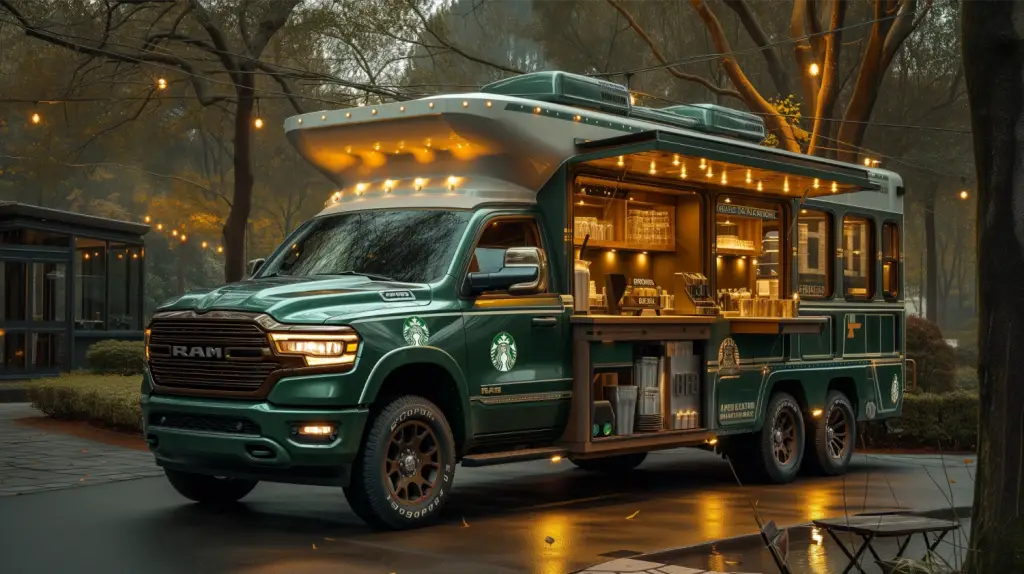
(33, 460)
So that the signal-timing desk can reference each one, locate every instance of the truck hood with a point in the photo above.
(309, 300)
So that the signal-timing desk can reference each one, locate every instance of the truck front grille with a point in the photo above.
(210, 355)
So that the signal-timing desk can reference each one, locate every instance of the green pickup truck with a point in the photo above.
(540, 270)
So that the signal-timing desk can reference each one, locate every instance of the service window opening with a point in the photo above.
(749, 273)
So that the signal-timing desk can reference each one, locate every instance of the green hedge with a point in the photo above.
(108, 400)
(935, 359)
(114, 357)
(945, 422)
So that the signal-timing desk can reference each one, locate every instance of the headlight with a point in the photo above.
(319, 349)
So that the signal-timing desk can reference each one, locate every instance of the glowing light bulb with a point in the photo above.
(36, 118)
(867, 162)
(418, 183)
(220, 249)
(682, 172)
(360, 188)
(258, 122)
(835, 187)
(727, 200)
(760, 187)
(702, 163)
(652, 170)
(814, 69)
(785, 185)
(621, 162)
(205, 245)
(161, 84)
(452, 180)
(815, 183)
(675, 159)
(147, 219)
(749, 178)
(174, 232)
(710, 172)
(724, 180)
(388, 186)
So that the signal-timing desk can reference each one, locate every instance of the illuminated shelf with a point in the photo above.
(623, 246)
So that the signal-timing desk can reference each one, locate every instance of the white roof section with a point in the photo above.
(889, 196)
(459, 150)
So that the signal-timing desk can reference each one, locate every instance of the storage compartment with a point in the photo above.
(681, 389)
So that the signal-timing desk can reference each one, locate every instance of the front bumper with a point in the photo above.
(251, 440)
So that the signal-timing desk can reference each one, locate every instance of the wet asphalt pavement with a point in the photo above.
(497, 520)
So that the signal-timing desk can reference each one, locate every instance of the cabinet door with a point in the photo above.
(515, 345)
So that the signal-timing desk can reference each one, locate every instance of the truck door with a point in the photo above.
(515, 345)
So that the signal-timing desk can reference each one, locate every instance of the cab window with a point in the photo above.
(858, 258)
(489, 254)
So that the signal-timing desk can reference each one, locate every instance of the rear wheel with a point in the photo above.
(775, 453)
(403, 475)
(833, 437)
(209, 489)
(612, 464)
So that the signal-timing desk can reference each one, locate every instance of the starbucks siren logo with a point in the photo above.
(415, 332)
(503, 352)
(895, 392)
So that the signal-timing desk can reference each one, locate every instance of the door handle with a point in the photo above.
(545, 321)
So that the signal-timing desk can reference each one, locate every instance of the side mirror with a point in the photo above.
(524, 272)
(254, 266)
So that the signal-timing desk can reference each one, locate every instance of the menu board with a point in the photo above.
(644, 293)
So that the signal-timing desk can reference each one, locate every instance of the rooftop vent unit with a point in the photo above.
(594, 94)
(566, 89)
(723, 121)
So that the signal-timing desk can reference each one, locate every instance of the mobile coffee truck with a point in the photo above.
(443, 307)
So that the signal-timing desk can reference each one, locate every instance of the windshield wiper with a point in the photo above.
(367, 275)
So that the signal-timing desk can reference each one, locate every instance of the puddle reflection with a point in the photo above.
(553, 557)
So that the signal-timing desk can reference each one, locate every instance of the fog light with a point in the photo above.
(316, 430)
(816, 413)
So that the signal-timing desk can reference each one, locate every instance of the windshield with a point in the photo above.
(413, 246)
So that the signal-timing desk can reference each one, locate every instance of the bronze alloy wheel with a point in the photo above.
(837, 433)
(412, 463)
(784, 439)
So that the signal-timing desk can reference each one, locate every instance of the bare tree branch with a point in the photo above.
(426, 27)
(661, 58)
(771, 57)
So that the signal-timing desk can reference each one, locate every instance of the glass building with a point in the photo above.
(66, 281)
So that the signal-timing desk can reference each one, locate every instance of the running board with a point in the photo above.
(510, 456)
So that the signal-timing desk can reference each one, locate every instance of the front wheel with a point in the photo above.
(620, 464)
(404, 474)
(209, 489)
(775, 453)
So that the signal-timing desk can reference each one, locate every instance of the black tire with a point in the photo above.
(756, 458)
(207, 489)
(620, 464)
(833, 437)
(404, 473)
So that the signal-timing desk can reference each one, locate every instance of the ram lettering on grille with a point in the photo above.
(197, 352)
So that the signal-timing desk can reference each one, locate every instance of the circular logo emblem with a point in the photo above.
(503, 352)
(894, 393)
(870, 410)
(728, 358)
(415, 332)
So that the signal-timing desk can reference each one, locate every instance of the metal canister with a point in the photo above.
(581, 286)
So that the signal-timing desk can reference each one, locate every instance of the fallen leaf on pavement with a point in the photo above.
(968, 461)
(549, 540)
(951, 481)
(632, 516)
(464, 523)
(314, 547)
(85, 450)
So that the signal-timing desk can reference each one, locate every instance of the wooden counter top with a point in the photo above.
(643, 320)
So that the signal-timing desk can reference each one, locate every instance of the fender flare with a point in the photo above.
(402, 356)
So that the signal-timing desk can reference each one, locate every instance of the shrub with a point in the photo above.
(111, 401)
(934, 357)
(966, 354)
(966, 378)
(113, 357)
(944, 422)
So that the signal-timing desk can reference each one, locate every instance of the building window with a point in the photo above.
(123, 264)
(12, 351)
(814, 266)
(858, 258)
(890, 260)
(33, 237)
(90, 284)
(13, 290)
(47, 351)
(48, 292)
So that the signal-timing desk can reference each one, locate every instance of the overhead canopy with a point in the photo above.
(671, 157)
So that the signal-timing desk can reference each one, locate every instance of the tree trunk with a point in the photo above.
(241, 205)
(931, 247)
(993, 66)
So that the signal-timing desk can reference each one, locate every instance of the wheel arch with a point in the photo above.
(428, 372)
